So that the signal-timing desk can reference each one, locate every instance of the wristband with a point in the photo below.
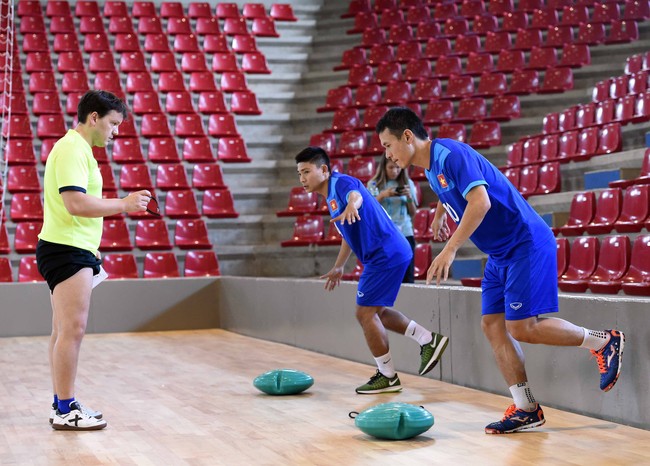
(409, 200)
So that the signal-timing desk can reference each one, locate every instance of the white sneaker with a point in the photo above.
(85, 409)
(76, 419)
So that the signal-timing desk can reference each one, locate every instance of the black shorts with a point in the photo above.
(58, 262)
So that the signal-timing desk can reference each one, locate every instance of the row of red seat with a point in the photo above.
(541, 18)
(533, 180)
(633, 9)
(24, 178)
(618, 31)
(217, 203)
(569, 146)
(120, 266)
(605, 266)
(151, 234)
(195, 10)
(422, 257)
(612, 209)
(159, 150)
(460, 86)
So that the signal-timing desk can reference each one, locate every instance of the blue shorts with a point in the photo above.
(525, 288)
(379, 286)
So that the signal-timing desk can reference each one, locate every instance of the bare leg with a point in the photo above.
(53, 338)
(373, 329)
(507, 351)
(71, 299)
(547, 331)
(394, 320)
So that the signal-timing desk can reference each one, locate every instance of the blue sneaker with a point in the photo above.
(610, 359)
(515, 420)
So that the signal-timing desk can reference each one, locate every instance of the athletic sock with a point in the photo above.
(418, 333)
(594, 339)
(385, 365)
(523, 396)
(64, 405)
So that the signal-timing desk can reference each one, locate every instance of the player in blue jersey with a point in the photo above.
(369, 232)
(520, 278)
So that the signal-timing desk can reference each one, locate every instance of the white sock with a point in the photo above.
(385, 365)
(523, 396)
(594, 339)
(418, 333)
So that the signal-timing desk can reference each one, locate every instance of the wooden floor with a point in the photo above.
(187, 398)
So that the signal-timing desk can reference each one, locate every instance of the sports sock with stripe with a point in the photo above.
(523, 396)
(594, 339)
(64, 405)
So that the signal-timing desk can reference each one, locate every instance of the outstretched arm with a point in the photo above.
(351, 212)
(478, 204)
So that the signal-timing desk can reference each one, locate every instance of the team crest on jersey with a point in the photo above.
(442, 181)
(333, 205)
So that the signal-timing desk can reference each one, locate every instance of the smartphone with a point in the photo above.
(400, 190)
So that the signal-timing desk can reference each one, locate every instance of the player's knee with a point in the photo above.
(491, 325)
(365, 313)
(520, 330)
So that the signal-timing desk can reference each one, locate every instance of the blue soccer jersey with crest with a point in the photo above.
(510, 227)
(375, 240)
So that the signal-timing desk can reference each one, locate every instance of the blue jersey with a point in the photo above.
(510, 227)
(375, 239)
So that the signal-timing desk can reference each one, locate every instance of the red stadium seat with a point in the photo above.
(514, 21)
(544, 18)
(608, 209)
(171, 81)
(563, 254)
(255, 63)
(351, 143)
(70, 61)
(191, 234)
(397, 93)
(282, 12)
(160, 265)
(362, 168)
(201, 264)
(109, 80)
(548, 147)
(74, 82)
(590, 34)
(28, 270)
(199, 10)
(557, 80)
(643, 178)
(101, 61)
(38, 62)
(139, 81)
(186, 43)
(407, 51)
(637, 280)
(42, 82)
(154, 125)
(470, 110)
(146, 102)
(26, 207)
(244, 103)
(92, 43)
(422, 226)
(524, 82)
(192, 62)
(222, 125)
(559, 36)
(152, 234)
(50, 126)
(514, 154)
(26, 237)
(19, 152)
(233, 81)
(426, 90)
(179, 25)
(163, 150)
(232, 149)
(134, 61)
(207, 176)
(635, 209)
(352, 57)
(327, 141)
(214, 40)
(6, 275)
(171, 10)
(308, 229)
(542, 58)
(143, 9)
(437, 47)
(582, 264)
(28, 8)
(500, 7)
(23, 179)
(134, 177)
(613, 263)
(638, 10)
(367, 95)
(4, 239)
(37, 42)
(189, 125)
(171, 176)
(360, 74)
(161, 62)
(528, 180)
(495, 42)
(530, 150)
(115, 236)
(120, 266)
(179, 102)
(485, 134)
(345, 119)
(581, 213)
(513, 176)
(446, 66)
(459, 87)
(181, 204)
(235, 27)
(45, 103)
(355, 274)
(300, 203)
(254, 10)
(622, 32)
(218, 203)
(264, 27)
(120, 25)
(505, 107)
(202, 81)
(549, 178)
(422, 260)
(452, 131)
(126, 43)
(339, 97)
(510, 61)
(485, 23)
(156, 43)
(197, 150)
(479, 63)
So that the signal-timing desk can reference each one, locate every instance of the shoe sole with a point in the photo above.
(620, 363)
(381, 390)
(527, 426)
(99, 416)
(436, 355)
(66, 427)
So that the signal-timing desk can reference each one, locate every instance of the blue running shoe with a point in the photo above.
(610, 359)
(515, 420)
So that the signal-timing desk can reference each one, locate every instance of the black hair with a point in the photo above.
(314, 155)
(101, 102)
(399, 119)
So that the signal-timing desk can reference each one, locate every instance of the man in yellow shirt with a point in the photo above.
(67, 251)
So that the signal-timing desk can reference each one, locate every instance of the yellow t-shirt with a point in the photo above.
(71, 167)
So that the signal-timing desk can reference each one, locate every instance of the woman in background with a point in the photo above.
(395, 191)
